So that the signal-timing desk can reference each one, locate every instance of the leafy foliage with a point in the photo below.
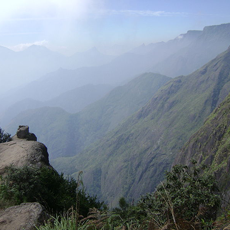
(186, 196)
(4, 137)
(188, 199)
(47, 187)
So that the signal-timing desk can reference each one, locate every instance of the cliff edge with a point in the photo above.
(23, 150)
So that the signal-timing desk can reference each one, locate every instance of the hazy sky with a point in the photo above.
(69, 26)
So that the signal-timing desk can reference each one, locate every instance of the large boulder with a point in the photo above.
(23, 217)
(23, 150)
(23, 133)
(20, 152)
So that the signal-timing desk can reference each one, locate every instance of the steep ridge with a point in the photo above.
(210, 42)
(131, 160)
(169, 47)
(210, 145)
(82, 129)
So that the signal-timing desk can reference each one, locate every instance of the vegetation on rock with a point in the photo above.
(46, 186)
(4, 137)
(187, 198)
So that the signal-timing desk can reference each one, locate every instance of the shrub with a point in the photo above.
(187, 195)
(47, 187)
(4, 137)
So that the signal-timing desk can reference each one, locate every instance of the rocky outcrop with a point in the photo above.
(20, 151)
(23, 217)
(210, 145)
(23, 133)
(23, 150)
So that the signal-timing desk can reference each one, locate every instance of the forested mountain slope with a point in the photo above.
(131, 160)
(210, 145)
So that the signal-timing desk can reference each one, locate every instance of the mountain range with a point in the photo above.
(146, 144)
(71, 101)
(127, 140)
(20, 68)
(179, 56)
(205, 46)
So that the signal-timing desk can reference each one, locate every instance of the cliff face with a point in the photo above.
(210, 145)
(21, 151)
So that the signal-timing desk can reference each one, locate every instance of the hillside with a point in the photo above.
(135, 155)
(82, 129)
(210, 145)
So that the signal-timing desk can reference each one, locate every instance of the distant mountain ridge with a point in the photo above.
(170, 47)
(206, 45)
(88, 58)
(182, 55)
(71, 101)
(22, 67)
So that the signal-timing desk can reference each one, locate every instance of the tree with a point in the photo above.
(4, 137)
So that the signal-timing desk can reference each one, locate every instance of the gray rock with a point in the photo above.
(20, 152)
(23, 217)
(31, 137)
(23, 131)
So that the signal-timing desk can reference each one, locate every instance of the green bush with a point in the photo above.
(47, 187)
(4, 137)
(187, 195)
(188, 199)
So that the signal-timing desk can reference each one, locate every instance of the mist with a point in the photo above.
(52, 49)
(38, 77)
